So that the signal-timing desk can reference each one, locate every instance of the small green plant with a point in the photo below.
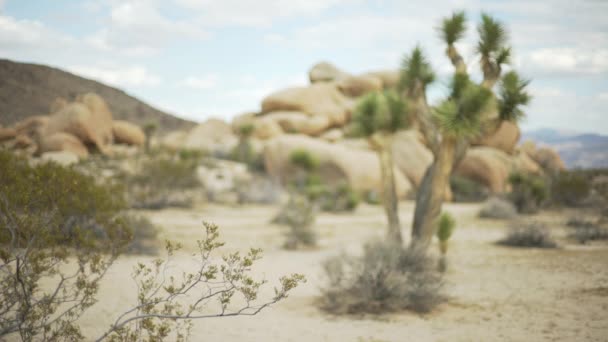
(193, 155)
(386, 278)
(529, 235)
(339, 198)
(528, 192)
(445, 229)
(303, 159)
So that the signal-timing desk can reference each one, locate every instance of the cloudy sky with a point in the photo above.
(204, 58)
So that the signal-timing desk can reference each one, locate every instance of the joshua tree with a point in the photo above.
(377, 117)
(469, 112)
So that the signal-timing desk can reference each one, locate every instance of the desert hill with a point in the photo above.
(578, 150)
(27, 90)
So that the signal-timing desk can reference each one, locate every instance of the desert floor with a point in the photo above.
(495, 293)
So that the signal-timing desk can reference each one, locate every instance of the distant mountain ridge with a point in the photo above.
(578, 150)
(29, 89)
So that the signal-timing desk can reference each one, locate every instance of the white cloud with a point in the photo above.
(139, 27)
(563, 109)
(201, 83)
(131, 76)
(255, 13)
(568, 61)
(28, 34)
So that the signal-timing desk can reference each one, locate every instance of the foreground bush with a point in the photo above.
(385, 278)
(60, 232)
(59, 228)
(528, 234)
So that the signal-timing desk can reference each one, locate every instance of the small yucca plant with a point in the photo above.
(445, 229)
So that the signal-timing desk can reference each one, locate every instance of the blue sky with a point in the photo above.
(219, 58)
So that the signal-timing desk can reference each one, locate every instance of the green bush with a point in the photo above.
(466, 190)
(52, 217)
(386, 278)
(75, 206)
(528, 192)
(192, 155)
(162, 182)
(570, 188)
(304, 160)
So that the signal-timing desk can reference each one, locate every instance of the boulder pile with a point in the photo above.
(79, 128)
(315, 118)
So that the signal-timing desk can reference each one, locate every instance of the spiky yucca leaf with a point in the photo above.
(379, 112)
(415, 68)
(460, 115)
(453, 28)
(399, 117)
(512, 95)
(446, 226)
(503, 56)
(492, 36)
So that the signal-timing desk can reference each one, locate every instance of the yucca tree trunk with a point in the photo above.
(384, 147)
(431, 194)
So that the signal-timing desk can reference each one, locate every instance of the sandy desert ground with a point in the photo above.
(495, 293)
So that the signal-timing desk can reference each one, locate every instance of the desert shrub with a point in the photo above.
(386, 278)
(190, 154)
(161, 182)
(299, 215)
(59, 234)
(339, 198)
(466, 190)
(52, 217)
(498, 208)
(570, 188)
(528, 234)
(304, 159)
(584, 230)
(528, 193)
(145, 236)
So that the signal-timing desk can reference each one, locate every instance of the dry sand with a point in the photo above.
(496, 293)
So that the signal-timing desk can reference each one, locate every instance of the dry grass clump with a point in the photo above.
(386, 278)
(528, 234)
(497, 208)
(584, 231)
